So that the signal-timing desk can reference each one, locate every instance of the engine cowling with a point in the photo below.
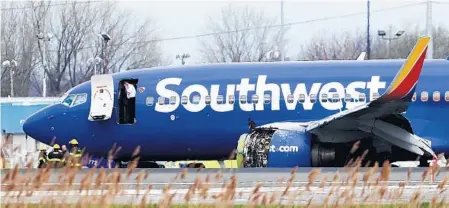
(290, 149)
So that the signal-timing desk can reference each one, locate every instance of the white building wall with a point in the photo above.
(22, 149)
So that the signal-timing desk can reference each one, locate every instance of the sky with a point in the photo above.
(189, 18)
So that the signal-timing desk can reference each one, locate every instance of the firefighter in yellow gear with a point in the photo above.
(75, 154)
(55, 157)
(42, 157)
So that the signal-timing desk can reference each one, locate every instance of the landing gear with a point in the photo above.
(142, 164)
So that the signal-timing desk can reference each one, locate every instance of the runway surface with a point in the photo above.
(297, 188)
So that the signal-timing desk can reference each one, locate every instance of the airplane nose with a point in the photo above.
(35, 126)
(30, 126)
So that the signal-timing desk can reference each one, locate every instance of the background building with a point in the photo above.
(17, 148)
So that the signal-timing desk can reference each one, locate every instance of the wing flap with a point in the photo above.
(397, 136)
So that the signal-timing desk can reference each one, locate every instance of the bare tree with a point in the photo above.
(349, 46)
(337, 46)
(240, 34)
(402, 46)
(17, 44)
(74, 27)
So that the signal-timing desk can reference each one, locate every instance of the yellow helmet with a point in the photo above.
(73, 141)
(56, 146)
(42, 148)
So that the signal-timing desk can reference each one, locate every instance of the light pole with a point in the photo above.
(106, 38)
(429, 29)
(396, 36)
(368, 18)
(12, 66)
(95, 61)
(182, 57)
(44, 37)
(282, 32)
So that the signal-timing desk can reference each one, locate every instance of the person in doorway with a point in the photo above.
(131, 101)
(122, 104)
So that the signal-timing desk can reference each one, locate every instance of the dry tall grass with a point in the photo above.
(376, 190)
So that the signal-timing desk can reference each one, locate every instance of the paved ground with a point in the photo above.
(272, 181)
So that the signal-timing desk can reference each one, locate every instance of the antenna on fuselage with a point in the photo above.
(361, 56)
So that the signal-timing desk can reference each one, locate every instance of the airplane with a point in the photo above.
(274, 114)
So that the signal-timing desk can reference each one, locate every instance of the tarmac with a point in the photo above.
(276, 185)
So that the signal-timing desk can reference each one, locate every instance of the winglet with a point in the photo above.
(403, 85)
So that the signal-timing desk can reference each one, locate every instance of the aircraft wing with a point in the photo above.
(394, 101)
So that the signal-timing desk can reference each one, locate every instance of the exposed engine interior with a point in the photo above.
(257, 146)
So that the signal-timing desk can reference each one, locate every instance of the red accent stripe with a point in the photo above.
(407, 84)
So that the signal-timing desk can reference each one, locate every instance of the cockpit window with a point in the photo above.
(80, 99)
(68, 100)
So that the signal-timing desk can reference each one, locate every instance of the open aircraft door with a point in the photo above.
(102, 97)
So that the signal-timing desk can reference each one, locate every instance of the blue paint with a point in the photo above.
(99, 163)
(290, 149)
(213, 135)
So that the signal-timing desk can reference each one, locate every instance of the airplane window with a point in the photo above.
(150, 101)
(414, 97)
(424, 96)
(446, 96)
(267, 99)
(302, 98)
(68, 100)
(362, 97)
(312, 98)
(231, 99)
(196, 99)
(255, 99)
(63, 97)
(184, 100)
(161, 100)
(436, 96)
(172, 100)
(207, 99)
(335, 97)
(376, 95)
(290, 98)
(220, 99)
(324, 97)
(80, 99)
(243, 99)
(347, 98)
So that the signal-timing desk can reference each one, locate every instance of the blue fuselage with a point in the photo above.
(210, 134)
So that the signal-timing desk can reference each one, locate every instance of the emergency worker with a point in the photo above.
(65, 153)
(55, 157)
(75, 154)
(42, 157)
